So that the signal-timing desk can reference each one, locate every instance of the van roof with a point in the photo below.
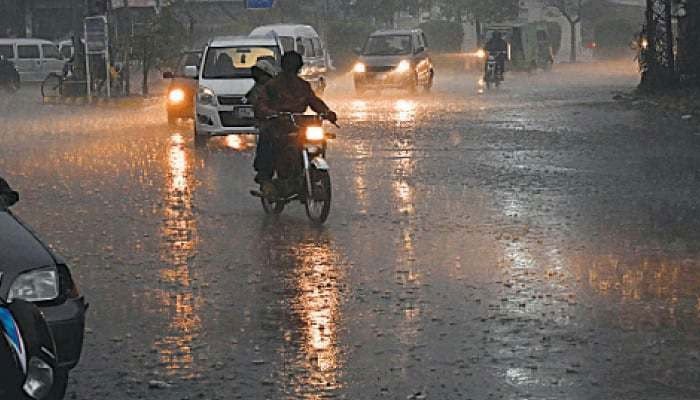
(388, 32)
(223, 41)
(285, 30)
(24, 41)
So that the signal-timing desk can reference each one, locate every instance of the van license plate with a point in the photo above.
(245, 112)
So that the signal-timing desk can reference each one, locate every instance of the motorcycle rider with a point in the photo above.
(8, 72)
(263, 71)
(285, 93)
(498, 47)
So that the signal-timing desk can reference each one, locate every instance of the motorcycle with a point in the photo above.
(493, 75)
(27, 353)
(306, 176)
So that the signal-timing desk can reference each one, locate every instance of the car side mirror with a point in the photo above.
(191, 71)
(168, 75)
(9, 198)
(357, 51)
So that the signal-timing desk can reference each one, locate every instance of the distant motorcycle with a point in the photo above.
(27, 353)
(493, 75)
(306, 176)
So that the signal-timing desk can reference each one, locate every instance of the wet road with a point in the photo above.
(536, 242)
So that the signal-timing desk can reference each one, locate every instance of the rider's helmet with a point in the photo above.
(292, 62)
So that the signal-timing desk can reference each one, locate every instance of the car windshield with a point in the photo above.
(235, 62)
(387, 45)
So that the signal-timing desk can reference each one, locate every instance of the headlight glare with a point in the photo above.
(315, 133)
(359, 68)
(39, 378)
(206, 96)
(176, 96)
(37, 285)
(403, 66)
(481, 53)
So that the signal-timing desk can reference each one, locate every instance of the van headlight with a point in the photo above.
(315, 133)
(359, 68)
(206, 96)
(39, 378)
(404, 66)
(36, 285)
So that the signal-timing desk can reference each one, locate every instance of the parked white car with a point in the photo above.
(304, 40)
(225, 78)
(35, 59)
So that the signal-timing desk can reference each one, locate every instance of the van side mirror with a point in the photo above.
(191, 71)
(9, 198)
(168, 75)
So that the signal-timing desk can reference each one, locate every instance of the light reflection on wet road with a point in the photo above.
(538, 241)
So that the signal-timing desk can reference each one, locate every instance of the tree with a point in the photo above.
(571, 10)
(157, 41)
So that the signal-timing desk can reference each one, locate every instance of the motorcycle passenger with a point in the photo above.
(263, 71)
(285, 93)
(498, 47)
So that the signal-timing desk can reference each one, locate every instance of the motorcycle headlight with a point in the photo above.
(404, 66)
(37, 285)
(176, 96)
(359, 68)
(315, 133)
(481, 53)
(206, 96)
(39, 378)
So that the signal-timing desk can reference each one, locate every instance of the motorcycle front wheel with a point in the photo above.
(272, 207)
(319, 205)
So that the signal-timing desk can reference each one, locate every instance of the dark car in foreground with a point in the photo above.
(182, 89)
(394, 59)
(30, 271)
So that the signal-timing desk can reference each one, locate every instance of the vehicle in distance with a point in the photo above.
(182, 89)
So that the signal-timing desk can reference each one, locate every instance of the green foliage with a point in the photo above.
(444, 36)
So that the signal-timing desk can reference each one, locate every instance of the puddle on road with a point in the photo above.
(178, 244)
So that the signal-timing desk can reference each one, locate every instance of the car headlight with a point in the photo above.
(481, 53)
(39, 378)
(176, 96)
(206, 96)
(404, 66)
(315, 133)
(37, 285)
(359, 68)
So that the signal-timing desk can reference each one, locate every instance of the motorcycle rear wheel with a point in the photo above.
(318, 207)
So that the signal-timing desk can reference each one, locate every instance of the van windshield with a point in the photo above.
(388, 45)
(236, 62)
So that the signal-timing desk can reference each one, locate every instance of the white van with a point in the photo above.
(34, 58)
(304, 40)
(225, 78)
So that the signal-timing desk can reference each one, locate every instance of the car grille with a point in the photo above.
(379, 69)
(230, 119)
(232, 100)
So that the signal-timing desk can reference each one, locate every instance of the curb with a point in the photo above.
(128, 102)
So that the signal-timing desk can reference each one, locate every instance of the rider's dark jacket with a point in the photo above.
(287, 93)
(496, 45)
